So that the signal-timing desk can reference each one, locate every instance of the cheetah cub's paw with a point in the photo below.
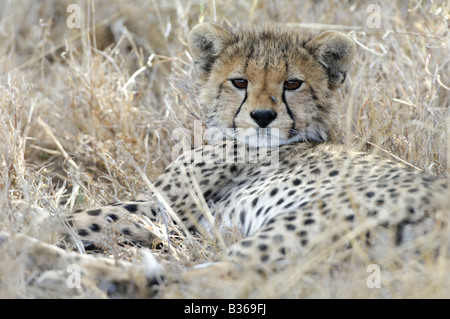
(134, 222)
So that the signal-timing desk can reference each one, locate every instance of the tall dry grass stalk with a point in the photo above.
(76, 104)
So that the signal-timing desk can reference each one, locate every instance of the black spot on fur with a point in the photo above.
(273, 192)
(289, 205)
(126, 231)
(83, 232)
(399, 231)
(94, 212)
(132, 208)
(242, 216)
(95, 227)
(333, 173)
(158, 183)
(372, 213)
(246, 243)
(350, 218)
(112, 217)
(313, 93)
(262, 247)
(290, 218)
(259, 211)
(207, 193)
(302, 233)
(290, 227)
(267, 229)
(379, 202)
(370, 194)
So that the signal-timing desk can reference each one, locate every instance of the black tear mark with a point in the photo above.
(239, 109)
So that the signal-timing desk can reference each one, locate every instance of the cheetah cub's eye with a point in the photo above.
(240, 83)
(292, 84)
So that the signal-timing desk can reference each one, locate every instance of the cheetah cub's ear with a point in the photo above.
(206, 41)
(334, 51)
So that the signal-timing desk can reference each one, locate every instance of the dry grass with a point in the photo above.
(73, 110)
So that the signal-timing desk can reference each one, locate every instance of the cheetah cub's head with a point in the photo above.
(273, 80)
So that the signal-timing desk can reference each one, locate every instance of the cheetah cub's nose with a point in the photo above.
(263, 117)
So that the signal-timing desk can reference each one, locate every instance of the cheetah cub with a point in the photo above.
(271, 172)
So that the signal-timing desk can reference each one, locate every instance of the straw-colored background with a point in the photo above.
(73, 110)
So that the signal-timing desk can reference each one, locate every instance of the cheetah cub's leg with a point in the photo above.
(131, 222)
